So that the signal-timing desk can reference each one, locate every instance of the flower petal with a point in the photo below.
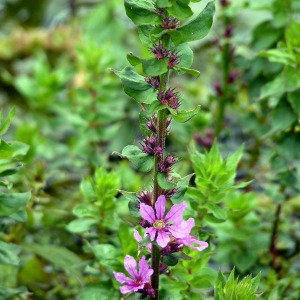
(145, 272)
(160, 207)
(162, 238)
(175, 213)
(122, 278)
(177, 231)
(152, 232)
(189, 240)
(130, 266)
(188, 225)
(137, 236)
(147, 213)
(131, 287)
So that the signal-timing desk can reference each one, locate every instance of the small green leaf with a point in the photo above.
(217, 211)
(5, 125)
(85, 210)
(144, 34)
(133, 208)
(141, 12)
(12, 203)
(81, 225)
(162, 179)
(182, 185)
(133, 59)
(154, 66)
(143, 161)
(293, 98)
(9, 254)
(196, 29)
(6, 151)
(135, 86)
(163, 3)
(291, 78)
(188, 71)
(170, 260)
(180, 10)
(272, 88)
(7, 293)
(183, 116)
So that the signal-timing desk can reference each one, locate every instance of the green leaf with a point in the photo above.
(170, 260)
(87, 189)
(291, 78)
(12, 203)
(163, 3)
(282, 117)
(7, 293)
(9, 254)
(272, 88)
(92, 292)
(196, 29)
(127, 240)
(188, 71)
(106, 255)
(293, 99)
(154, 66)
(6, 151)
(180, 10)
(143, 161)
(183, 116)
(182, 186)
(141, 12)
(81, 225)
(16, 168)
(217, 211)
(186, 56)
(281, 56)
(133, 59)
(133, 208)
(144, 34)
(162, 179)
(5, 125)
(135, 86)
(59, 256)
(85, 210)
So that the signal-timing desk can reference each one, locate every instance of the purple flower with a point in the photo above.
(162, 227)
(189, 240)
(140, 276)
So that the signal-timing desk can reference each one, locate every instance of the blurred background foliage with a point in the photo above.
(55, 60)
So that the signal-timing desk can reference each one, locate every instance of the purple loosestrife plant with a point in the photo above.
(165, 27)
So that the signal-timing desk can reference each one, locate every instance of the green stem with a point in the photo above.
(157, 190)
(224, 98)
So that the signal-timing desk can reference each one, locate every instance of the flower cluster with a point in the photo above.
(150, 146)
(169, 98)
(168, 230)
(140, 276)
(160, 53)
(165, 166)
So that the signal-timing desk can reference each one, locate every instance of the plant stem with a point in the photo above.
(157, 190)
(272, 248)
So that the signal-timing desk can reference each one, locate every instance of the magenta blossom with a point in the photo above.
(162, 227)
(140, 276)
(189, 240)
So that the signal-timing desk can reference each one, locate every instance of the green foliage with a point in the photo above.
(214, 180)
(234, 289)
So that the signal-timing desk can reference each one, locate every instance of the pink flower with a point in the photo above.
(140, 276)
(162, 227)
(189, 240)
